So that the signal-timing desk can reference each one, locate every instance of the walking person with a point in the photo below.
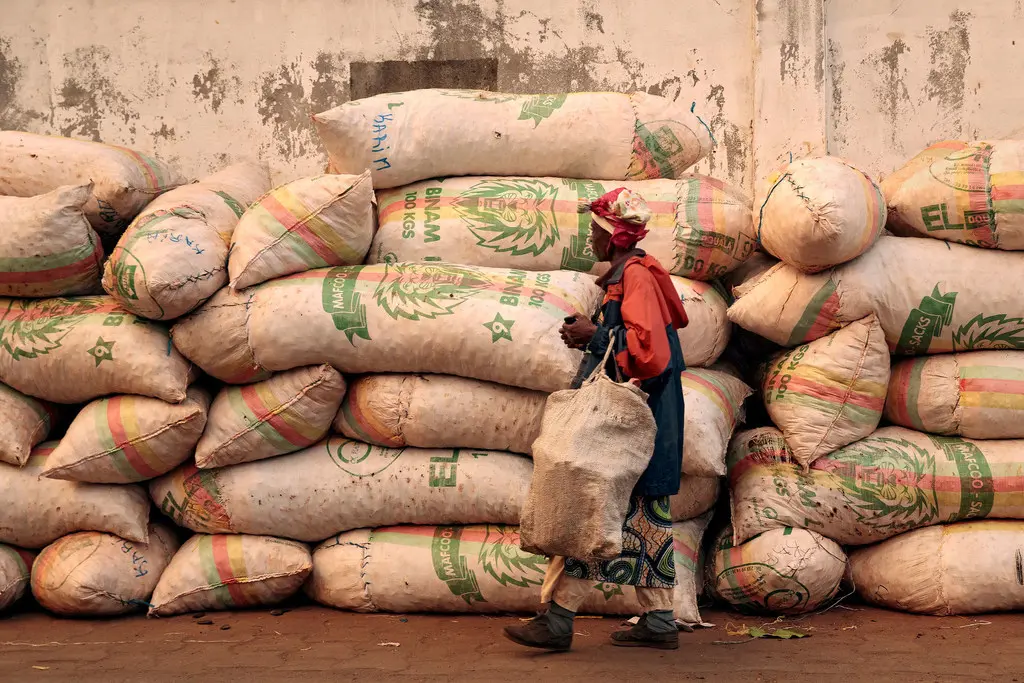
(640, 315)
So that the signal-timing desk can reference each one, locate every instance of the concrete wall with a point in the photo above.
(204, 82)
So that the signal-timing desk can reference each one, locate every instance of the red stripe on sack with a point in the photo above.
(262, 412)
(222, 561)
(123, 441)
(997, 386)
(835, 394)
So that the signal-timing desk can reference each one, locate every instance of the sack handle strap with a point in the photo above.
(601, 369)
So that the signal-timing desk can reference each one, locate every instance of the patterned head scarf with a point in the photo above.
(622, 213)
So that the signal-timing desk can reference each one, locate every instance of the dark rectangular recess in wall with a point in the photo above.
(373, 78)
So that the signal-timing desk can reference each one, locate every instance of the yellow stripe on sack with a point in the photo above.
(989, 399)
(297, 422)
(860, 385)
(130, 419)
(236, 556)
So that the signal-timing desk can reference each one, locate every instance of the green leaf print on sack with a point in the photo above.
(889, 484)
(516, 216)
(502, 558)
(29, 329)
(989, 332)
(423, 292)
(540, 107)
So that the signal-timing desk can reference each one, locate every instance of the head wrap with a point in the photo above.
(622, 213)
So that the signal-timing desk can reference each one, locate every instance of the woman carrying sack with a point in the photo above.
(640, 314)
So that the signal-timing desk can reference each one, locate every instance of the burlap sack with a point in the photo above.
(174, 255)
(283, 414)
(979, 394)
(24, 422)
(125, 439)
(966, 568)
(97, 575)
(434, 411)
(326, 220)
(959, 191)
(74, 350)
(37, 510)
(713, 401)
(469, 569)
(830, 392)
(230, 572)
(893, 481)
(594, 444)
(123, 180)
(700, 227)
(47, 247)
(696, 496)
(15, 570)
(409, 136)
(927, 295)
(820, 212)
(495, 325)
(334, 486)
(705, 337)
(782, 571)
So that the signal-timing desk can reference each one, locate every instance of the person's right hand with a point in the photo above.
(578, 333)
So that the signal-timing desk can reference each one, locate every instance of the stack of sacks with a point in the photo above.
(916, 491)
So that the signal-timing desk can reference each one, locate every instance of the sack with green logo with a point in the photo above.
(820, 212)
(125, 439)
(408, 136)
(124, 180)
(438, 411)
(978, 395)
(830, 392)
(24, 422)
(485, 323)
(325, 220)
(894, 481)
(174, 255)
(227, 572)
(97, 574)
(39, 510)
(958, 191)
(288, 412)
(965, 568)
(47, 247)
(340, 484)
(15, 571)
(926, 293)
(470, 569)
(782, 571)
(700, 227)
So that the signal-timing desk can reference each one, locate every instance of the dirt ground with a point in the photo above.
(307, 643)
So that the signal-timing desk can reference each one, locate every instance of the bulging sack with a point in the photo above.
(24, 422)
(470, 569)
(966, 192)
(894, 481)
(713, 401)
(494, 325)
(705, 337)
(15, 570)
(340, 484)
(700, 227)
(123, 180)
(125, 439)
(696, 496)
(927, 295)
(594, 444)
(288, 412)
(95, 574)
(782, 571)
(38, 510)
(326, 220)
(830, 392)
(434, 411)
(978, 395)
(230, 572)
(77, 349)
(819, 213)
(965, 568)
(408, 136)
(47, 247)
(174, 255)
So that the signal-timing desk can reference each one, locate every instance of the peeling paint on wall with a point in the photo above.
(950, 55)
(892, 93)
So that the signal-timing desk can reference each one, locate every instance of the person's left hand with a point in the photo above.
(578, 333)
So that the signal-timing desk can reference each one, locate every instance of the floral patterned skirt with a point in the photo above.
(646, 559)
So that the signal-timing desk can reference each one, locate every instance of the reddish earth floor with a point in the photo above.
(318, 644)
